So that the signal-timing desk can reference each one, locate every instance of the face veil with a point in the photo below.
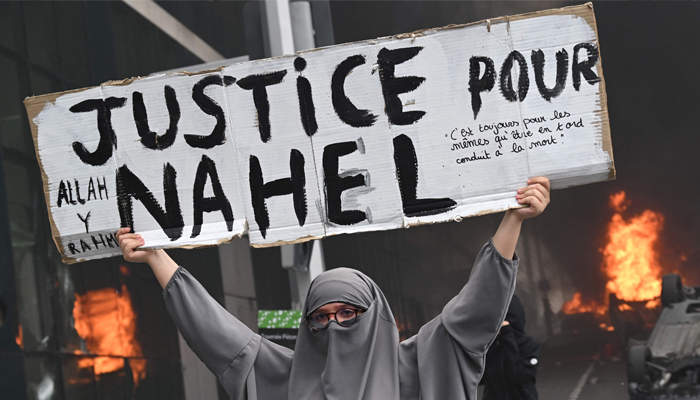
(346, 363)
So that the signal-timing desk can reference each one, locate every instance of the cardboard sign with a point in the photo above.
(419, 128)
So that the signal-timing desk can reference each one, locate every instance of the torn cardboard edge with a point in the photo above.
(34, 106)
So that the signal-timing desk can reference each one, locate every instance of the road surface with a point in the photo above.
(582, 366)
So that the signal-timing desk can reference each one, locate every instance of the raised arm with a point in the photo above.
(536, 197)
(220, 340)
(475, 315)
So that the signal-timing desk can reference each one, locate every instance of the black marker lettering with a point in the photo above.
(506, 81)
(258, 84)
(62, 194)
(77, 192)
(347, 112)
(70, 194)
(407, 172)
(151, 139)
(96, 243)
(128, 186)
(392, 86)
(202, 204)
(85, 220)
(108, 139)
(562, 70)
(84, 246)
(229, 80)
(111, 240)
(91, 190)
(586, 67)
(260, 191)
(336, 185)
(73, 250)
(210, 107)
(483, 84)
(306, 101)
(102, 186)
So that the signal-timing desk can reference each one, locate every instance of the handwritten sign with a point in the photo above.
(418, 128)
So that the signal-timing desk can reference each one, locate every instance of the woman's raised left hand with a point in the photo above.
(535, 195)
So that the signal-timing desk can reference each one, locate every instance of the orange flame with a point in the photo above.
(619, 202)
(19, 339)
(105, 319)
(606, 327)
(629, 259)
(651, 304)
(576, 305)
(625, 307)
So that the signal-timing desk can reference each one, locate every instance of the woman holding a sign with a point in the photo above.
(348, 346)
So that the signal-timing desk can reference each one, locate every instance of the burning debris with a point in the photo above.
(657, 319)
(577, 306)
(630, 259)
(106, 320)
(630, 264)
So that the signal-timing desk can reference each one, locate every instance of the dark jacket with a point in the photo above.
(511, 362)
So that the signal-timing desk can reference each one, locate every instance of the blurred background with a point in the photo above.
(100, 330)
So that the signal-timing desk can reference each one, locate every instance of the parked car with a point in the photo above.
(667, 365)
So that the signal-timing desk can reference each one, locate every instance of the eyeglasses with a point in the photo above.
(344, 317)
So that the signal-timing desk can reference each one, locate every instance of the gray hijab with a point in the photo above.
(359, 362)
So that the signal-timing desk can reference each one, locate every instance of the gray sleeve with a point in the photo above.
(216, 337)
(475, 315)
(409, 378)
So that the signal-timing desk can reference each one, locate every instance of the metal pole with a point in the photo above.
(279, 25)
(302, 25)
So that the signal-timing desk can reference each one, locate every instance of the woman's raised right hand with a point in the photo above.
(130, 243)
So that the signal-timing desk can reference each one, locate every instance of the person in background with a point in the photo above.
(511, 362)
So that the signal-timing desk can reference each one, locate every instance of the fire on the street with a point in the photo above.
(630, 260)
(576, 306)
(105, 319)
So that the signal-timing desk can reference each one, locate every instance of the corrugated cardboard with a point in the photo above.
(369, 148)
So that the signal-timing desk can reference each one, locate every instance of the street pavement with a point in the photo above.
(582, 366)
